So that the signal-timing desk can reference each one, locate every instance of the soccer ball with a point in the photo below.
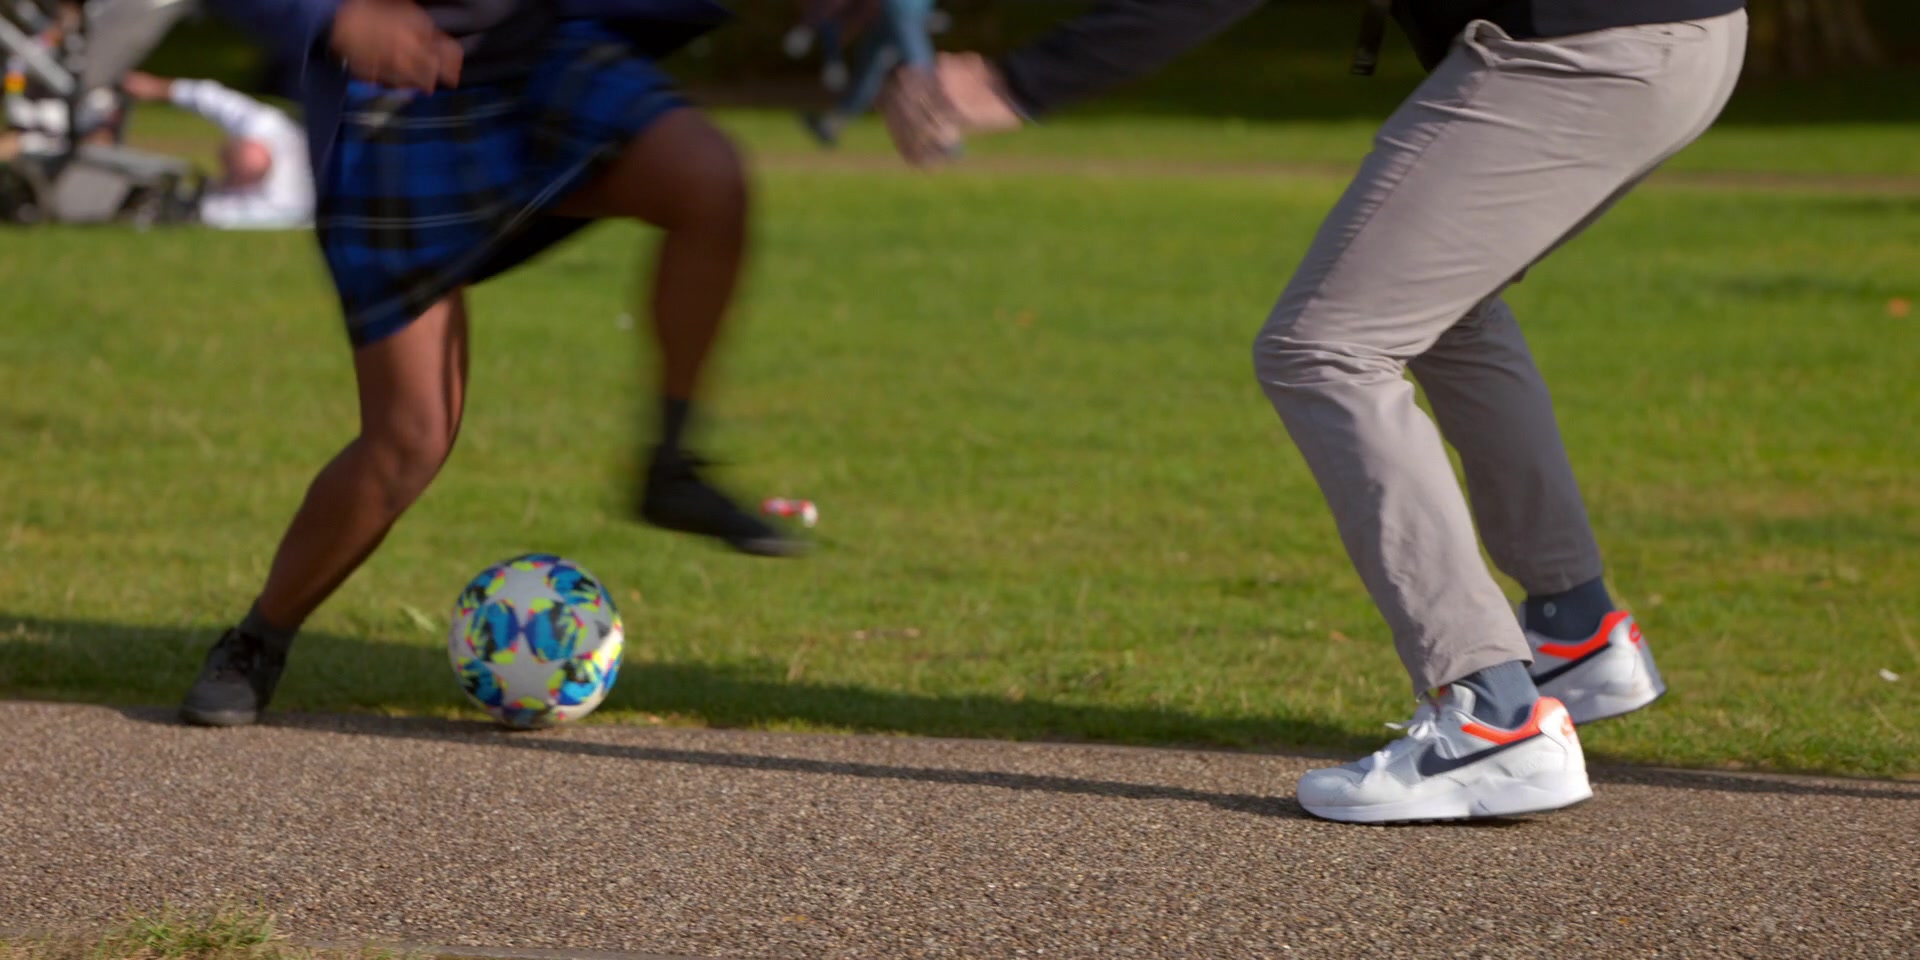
(535, 641)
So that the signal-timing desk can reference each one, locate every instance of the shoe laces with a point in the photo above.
(238, 655)
(1424, 726)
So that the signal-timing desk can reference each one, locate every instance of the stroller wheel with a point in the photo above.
(16, 198)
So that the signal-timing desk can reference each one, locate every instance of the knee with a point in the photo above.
(404, 457)
(708, 186)
(1295, 354)
(1281, 360)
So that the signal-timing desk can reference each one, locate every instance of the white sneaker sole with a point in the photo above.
(1590, 706)
(1617, 682)
(1489, 797)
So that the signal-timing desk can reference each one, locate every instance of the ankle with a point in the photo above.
(1570, 614)
(272, 631)
(1503, 694)
(674, 414)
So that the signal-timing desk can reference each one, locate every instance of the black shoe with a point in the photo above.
(236, 682)
(823, 129)
(676, 498)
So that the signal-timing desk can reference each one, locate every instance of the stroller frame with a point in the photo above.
(82, 182)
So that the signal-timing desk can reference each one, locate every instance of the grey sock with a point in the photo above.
(256, 625)
(1570, 614)
(1503, 694)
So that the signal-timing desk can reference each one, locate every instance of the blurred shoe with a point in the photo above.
(823, 127)
(835, 76)
(797, 41)
(677, 498)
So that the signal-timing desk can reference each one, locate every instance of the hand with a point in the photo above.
(930, 116)
(977, 92)
(920, 119)
(394, 43)
(146, 86)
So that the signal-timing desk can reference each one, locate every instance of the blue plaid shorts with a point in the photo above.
(426, 194)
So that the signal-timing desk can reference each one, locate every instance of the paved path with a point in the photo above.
(722, 844)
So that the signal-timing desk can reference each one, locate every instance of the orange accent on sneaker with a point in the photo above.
(1530, 729)
(1574, 651)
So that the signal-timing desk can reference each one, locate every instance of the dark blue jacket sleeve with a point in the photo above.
(291, 27)
(1116, 41)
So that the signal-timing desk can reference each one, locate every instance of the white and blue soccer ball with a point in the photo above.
(536, 641)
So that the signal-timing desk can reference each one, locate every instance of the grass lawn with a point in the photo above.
(1054, 503)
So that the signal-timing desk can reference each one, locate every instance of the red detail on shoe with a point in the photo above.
(1574, 651)
(1530, 729)
(1633, 634)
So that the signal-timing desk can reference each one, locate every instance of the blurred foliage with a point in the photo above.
(1791, 38)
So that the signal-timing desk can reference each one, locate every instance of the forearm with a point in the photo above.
(1118, 41)
(234, 113)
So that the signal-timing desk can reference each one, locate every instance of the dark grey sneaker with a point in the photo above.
(821, 126)
(677, 498)
(235, 683)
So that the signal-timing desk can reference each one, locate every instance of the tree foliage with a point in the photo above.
(1807, 36)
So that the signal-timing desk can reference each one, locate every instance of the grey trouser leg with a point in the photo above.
(1509, 149)
(1494, 409)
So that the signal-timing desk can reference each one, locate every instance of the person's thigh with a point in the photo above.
(677, 169)
(1504, 152)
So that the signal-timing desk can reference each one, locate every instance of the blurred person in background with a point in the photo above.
(265, 181)
(898, 36)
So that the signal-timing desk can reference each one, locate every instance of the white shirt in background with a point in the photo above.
(285, 198)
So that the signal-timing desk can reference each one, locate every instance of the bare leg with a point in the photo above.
(684, 176)
(412, 387)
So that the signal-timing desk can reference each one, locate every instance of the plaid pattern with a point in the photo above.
(425, 194)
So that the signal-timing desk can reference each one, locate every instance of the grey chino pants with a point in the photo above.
(1509, 149)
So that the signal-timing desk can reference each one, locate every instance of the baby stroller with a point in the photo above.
(66, 93)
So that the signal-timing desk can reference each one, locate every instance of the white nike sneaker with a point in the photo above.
(1451, 766)
(1605, 675)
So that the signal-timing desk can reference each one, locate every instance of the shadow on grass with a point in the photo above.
(107, 663)
(119, 664)
(86, 662)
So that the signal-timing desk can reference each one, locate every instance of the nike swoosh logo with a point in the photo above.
(1554, 674)
(1432, 764)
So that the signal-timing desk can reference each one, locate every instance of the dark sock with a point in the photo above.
(1571, 614)
(675, 412)
(1503, 695)
(256, 625)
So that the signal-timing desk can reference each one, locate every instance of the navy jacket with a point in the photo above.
(300, 30)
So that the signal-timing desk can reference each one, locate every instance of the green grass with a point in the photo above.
(1827, 154)
(231, 933)
(1054, 502)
